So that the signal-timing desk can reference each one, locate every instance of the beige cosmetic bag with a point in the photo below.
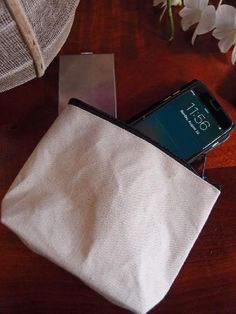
(109, 206)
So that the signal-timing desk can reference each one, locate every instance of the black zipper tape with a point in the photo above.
(82, 105)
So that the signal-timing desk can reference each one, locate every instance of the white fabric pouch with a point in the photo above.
(109, 206)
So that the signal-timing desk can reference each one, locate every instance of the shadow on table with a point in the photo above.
(227, 87)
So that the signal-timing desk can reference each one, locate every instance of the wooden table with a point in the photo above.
(147, 69)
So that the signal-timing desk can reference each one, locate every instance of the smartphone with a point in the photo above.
(188, 123)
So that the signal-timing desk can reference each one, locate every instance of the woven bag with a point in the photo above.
(31, 34)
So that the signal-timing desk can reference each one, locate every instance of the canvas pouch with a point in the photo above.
(109, 206)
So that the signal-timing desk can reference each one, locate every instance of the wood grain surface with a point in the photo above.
(148, 68)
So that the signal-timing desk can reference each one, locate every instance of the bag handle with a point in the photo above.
(18, 14)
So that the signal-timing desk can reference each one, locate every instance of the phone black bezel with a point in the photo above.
(212, 104)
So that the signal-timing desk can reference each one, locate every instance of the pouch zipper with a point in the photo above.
(105, 116)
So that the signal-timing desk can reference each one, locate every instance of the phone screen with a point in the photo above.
(184, 125)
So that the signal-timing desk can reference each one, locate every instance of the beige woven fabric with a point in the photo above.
(109, 207)
(31, 34)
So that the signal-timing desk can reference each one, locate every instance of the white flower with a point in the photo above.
(198, 11)
(164, 2)
(226, 29)
(164, 5)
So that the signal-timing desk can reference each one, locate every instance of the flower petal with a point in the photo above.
(157, 2)
(233, 58)
(226, 17)
(194, 36)
(206, 23)
(189, 18)
(163, 12)
(201, 4)
(220, 33)
(196, 4)
(189, 4)
(176, 2)
(186, 11)
(225, 43)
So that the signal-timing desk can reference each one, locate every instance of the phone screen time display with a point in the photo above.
(184, 126)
